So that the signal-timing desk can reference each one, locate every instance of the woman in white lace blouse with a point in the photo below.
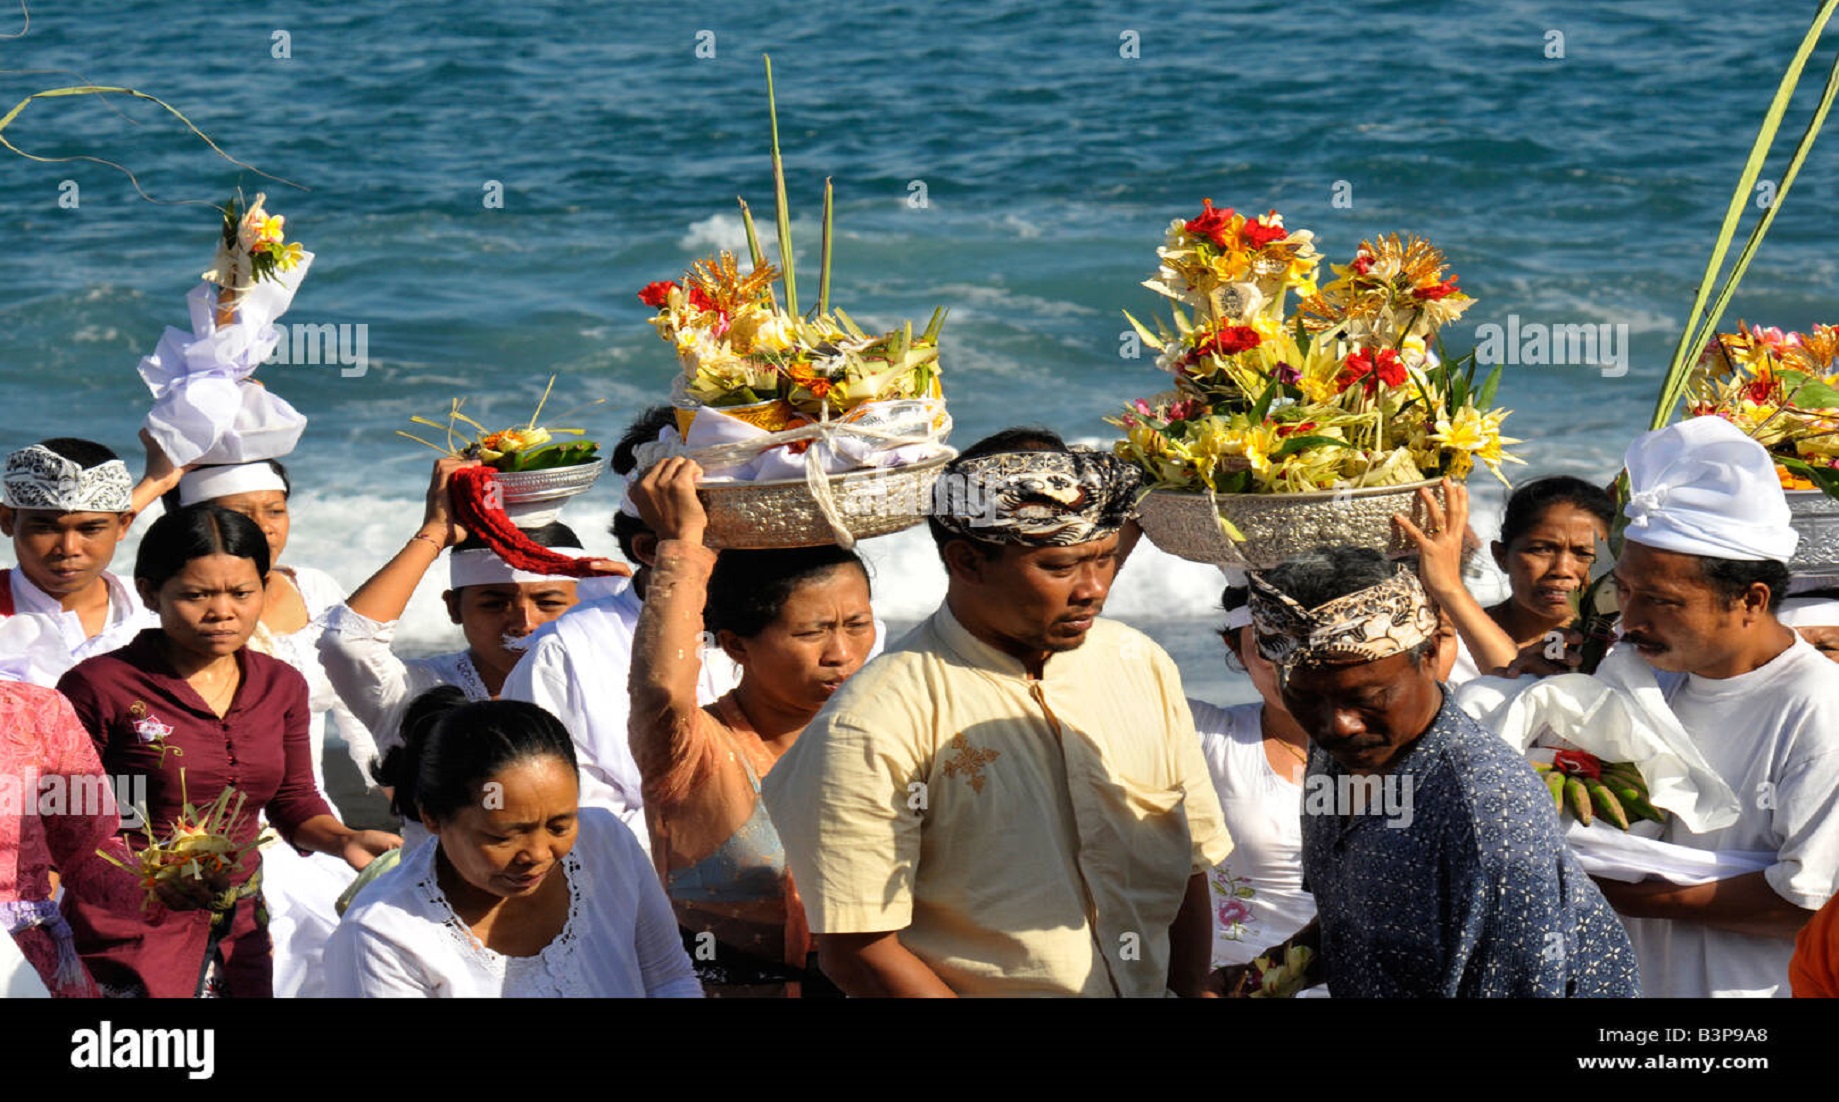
(521, 892)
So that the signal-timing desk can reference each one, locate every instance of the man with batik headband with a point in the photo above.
(1011, 800)
(1429, 843)
(1700, 578)
(68, 502)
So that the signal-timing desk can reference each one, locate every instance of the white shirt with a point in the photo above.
(1773, 735)
(377, 685)
(576, 670)
(300, 649)
(41, 641)
(1257, 893)
(402, 938)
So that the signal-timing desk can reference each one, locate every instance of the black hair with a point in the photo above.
(1730, 578)
(1316, 577)
(1531, 500)
(1232, 598)
(748, 589)
(553, 534)
(645, 430)
(170, 498)
(451, 747)
(1024, 438)
(84, 453)
(195, 532)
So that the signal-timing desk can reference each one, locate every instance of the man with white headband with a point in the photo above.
(1429, 844)
(68, 503)
(1700, 578)
(496, 606)
(1011, 800)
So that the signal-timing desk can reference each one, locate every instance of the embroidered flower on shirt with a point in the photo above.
(148, 728)
(969, 762)
(1233, 913)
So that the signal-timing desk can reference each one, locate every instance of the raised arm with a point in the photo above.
(667, 642)
(384, 597)
(159, 475)
(1440, 569)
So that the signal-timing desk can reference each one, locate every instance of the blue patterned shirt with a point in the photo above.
(1455, 880)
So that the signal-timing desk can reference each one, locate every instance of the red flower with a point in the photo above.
(1371, 370)
(655, 295)
(1228, 340)
(701, 300)
(1760, 390)
(1211, 224)
(1258, 236)
(1436, 291)
(1577, 763)
(1291, 430)
(1362, 265)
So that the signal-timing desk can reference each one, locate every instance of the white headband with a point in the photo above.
(39, 478)
(481, 566)
(211, 483)
(1240, 617)
(1702, 487)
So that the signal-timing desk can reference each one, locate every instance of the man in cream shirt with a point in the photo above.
(1012, 800)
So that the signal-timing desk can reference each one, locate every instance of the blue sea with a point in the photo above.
(487, 186)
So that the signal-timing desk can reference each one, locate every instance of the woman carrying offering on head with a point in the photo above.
(522, 892)
(189, 707)
(798, 623)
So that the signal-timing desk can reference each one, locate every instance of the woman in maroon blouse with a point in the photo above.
(186, 705)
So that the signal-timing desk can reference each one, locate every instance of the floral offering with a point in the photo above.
(253, 248)
(739, 348)
(529, 447)
(1783, 390)
(200, 846)
(1342, 392)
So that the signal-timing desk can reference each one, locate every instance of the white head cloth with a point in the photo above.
(206, 408)
(1809, 612)
(211, 483)
(1701, 487)
(481, 566)
(39, 478)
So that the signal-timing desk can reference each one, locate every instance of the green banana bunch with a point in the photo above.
(1617, 795)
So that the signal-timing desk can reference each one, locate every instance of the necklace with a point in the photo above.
(218, 699)
(1301, 756)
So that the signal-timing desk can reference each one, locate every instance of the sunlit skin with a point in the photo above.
(285, 612)
(65, 554)
(1547, 566)
(1366, 714)
(1031, 602)
(488, 613)
(1275, 722)
(822, 635)
(1677, 621)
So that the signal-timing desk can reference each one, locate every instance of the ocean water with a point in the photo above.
(1015, 162)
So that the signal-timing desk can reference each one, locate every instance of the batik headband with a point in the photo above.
(1037, 498)
(1377, 622)
(211, 483)
(39, 478)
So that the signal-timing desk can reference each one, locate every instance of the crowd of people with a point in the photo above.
(719, 777)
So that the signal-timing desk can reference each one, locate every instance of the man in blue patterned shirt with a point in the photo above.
(1430, 844)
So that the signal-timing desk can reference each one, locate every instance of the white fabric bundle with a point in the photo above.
(206, 409)
(1701, 487)
(1620, 714)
